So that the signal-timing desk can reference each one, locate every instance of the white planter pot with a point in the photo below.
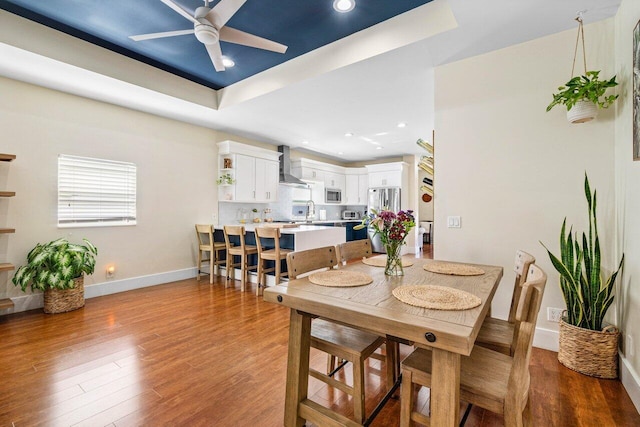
(582, 112)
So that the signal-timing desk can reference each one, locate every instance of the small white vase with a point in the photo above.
(582, 112)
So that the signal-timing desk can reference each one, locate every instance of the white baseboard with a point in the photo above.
(31, 302)
(546, 338)
(631, 381)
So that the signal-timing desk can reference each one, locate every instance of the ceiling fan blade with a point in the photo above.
(215, 53)
(223, 11)
(180, 10)
(232, 35)
(160, 35)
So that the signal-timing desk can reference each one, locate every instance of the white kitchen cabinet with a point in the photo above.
(334, 180)
(388, 175)
(352, 195)
(363, 188)
(255, 172)
(311, 174)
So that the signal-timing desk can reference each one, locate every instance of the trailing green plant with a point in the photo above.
(55, 265)
(226, 179)
(585, 88)
(587, 295)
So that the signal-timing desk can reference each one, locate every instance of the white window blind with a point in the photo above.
(95, 192)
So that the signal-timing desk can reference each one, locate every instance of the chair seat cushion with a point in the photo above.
(343, 339)
(248, 249)
(478, 384)
(496, 334)
(271, 253)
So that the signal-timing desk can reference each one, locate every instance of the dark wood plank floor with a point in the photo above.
(195, 354)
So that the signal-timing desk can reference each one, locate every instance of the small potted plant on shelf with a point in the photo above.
(583, 95)
(58, 269)
(225, 179)
(585, 346)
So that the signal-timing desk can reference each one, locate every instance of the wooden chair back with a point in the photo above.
(268, 233)
(355, 250)
(302, 262)
(526, 316)
(522, 264)
(234, 230)
(205, 234)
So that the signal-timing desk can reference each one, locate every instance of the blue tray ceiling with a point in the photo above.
(302, 25)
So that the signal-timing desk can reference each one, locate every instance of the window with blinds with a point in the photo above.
(95, 192)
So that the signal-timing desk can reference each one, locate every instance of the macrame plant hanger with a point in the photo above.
(575, 52)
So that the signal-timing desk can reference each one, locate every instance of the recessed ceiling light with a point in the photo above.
(340, 152)
(305, 142)
(382, 133)
(227, 62)
(348, 134)
(344, 6)
(402, 125)
(378, 148)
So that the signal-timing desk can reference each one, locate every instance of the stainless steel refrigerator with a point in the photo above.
(382, 199)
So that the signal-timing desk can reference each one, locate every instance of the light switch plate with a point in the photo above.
(453, 222)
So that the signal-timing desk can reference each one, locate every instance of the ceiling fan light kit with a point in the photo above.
(209, 27)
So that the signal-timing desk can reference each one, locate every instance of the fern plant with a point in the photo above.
(55, 265)
(586, 294)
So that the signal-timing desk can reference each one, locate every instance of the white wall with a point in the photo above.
(176, 179)
(513, 171)
(627, 177)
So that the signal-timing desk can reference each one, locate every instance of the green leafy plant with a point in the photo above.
(587, 295)
(585, 88)
(54, 265)
(226, 179)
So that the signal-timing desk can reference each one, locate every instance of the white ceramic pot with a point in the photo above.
(582, 112)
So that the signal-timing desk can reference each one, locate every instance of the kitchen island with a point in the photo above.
(298, 238)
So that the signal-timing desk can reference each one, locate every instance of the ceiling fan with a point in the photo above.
(209, 28)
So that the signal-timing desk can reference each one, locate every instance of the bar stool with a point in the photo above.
(265, 254)
(206, 243)
(242, 250)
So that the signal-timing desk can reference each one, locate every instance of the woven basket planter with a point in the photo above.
(582, 112)
(63, 300)
(593, 353)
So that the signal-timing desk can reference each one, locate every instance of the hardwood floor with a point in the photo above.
(193, 354)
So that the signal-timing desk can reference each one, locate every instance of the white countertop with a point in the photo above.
(302, 228)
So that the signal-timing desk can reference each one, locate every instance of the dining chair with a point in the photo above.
(352, 345)
(273, 252)
(488, 379)
(497, 334)
(354, 250)
(206, 243)
(241, 250)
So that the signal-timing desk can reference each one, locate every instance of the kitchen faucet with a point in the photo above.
(311, 210)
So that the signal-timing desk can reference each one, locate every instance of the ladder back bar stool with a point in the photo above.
(206, 243)
(241, 250)
(275, 254)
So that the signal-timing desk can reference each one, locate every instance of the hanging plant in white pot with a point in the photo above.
(583, 95)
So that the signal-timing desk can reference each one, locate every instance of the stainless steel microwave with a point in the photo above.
(332, 195)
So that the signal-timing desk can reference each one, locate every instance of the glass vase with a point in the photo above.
(393, 266)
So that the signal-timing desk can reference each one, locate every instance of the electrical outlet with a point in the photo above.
(214, 218)
(628, 347)
(554, 314)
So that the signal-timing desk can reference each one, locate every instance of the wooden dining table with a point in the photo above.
(450, 334)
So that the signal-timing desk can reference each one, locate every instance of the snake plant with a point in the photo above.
(55, 265)
(587, 295)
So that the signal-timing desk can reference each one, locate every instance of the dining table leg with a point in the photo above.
(297, 367)
(445, 388)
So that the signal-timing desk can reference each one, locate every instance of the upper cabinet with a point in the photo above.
(247, 173)
(388, 175)
(347, 180)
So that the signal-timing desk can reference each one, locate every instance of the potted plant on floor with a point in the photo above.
(58, 269)
(585, 346)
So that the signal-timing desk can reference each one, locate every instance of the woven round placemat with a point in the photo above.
(340, 278)
(453, 269)
(436, 297)
(381, 261)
